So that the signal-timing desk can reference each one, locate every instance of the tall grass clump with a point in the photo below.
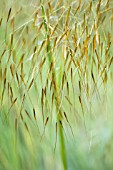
(56, 84)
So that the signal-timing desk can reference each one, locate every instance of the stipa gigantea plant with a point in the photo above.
(55, 71)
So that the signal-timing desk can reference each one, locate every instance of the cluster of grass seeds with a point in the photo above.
(55, 73)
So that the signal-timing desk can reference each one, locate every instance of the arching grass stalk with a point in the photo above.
(55, 89)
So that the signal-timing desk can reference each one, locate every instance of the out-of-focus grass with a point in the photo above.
(56, 85)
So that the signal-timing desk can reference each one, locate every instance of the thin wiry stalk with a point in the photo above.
(56, 91)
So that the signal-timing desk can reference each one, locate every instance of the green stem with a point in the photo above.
(56, 91)
(62, 148)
